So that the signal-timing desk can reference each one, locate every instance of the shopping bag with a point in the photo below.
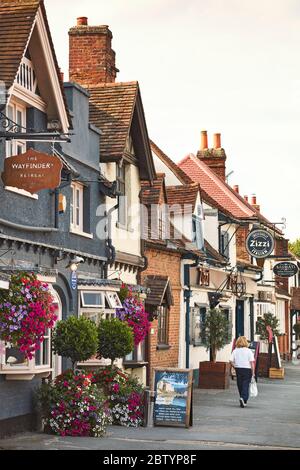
(253, 392)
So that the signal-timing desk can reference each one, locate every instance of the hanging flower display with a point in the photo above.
(26, 313)
(133, 312)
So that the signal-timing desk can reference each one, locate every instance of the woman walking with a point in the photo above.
(242, 359)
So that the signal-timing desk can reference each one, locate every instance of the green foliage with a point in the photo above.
(214, 333)
(75, 338)
(296, 329)
(295, 247)
(267, 320)
(115, 339)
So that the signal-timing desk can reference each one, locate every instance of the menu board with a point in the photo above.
(173, 397)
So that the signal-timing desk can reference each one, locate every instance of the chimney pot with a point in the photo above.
(246, 198)
(62, 75)
(253, 200)
(236, 188)
(204, 141)
(217, 141)
(82, 21)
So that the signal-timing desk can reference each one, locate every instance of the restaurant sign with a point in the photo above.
(32, 171)
(260, 243)
(285, 269)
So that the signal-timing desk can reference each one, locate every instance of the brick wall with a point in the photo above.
(165, 263)
(241, 252)
(91, 59)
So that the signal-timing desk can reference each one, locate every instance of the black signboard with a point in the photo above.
(260, 243)
(173, 397)
(285, 269)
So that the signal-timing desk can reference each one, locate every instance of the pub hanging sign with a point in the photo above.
(32, 171)
(285, 269)
(260, 243)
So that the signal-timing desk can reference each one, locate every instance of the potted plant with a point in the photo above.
(296, 329)
(268, 320)
(214, 335)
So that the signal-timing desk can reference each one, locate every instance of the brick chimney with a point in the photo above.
(215, 158)
(236, 188)
(92, 60)
(254, 203)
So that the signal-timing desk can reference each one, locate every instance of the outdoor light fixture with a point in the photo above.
(74, 262)
(238, 285)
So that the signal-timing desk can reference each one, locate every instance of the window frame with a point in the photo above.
(163, 330)
(75, 189)
(84, 305)
(121, 188)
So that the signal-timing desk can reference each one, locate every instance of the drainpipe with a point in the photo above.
(112, 250)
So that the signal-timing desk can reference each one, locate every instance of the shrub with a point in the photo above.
(26, 313)
(75, 338)
(73, 406)
(115, 339)
(125, 395)
(296, 329)
(267, 320)
(214, 332)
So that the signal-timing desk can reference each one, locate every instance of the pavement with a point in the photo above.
(270, 422)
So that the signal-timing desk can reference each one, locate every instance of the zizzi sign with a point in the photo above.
(32, 171)
(260, 243)
(285, 269)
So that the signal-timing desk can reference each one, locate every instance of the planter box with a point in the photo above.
(214, 375)
(263, 364)
(276, 373)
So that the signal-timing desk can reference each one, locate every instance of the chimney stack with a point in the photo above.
(254, 203)
(91, 59)
(217, 141)
(236, 188)
(204, 141)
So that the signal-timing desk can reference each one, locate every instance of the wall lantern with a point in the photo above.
(74, 262)
(238, 285)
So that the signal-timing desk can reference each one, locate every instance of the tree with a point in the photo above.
(214, 333)
(115, 339)
(267, 320)
(75, 338)
(294, 247)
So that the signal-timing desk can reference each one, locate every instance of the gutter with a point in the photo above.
(27, 228)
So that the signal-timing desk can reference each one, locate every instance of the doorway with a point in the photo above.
(239, 318)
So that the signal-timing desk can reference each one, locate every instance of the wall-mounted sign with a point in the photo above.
(260, 243)
(173, 397)
(32, 171)
(74, 280)
(285, 269)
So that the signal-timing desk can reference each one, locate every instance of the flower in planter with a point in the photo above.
(26, 313)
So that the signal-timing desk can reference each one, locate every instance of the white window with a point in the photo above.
(17, 114)
(113, 300)
(77, 207)
(26, 77)
(43, 355)
(92, 299)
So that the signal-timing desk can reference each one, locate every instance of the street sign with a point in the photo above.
(74, 280)
(260, 243)
(285, 269)
(173, 397)
(32, 171)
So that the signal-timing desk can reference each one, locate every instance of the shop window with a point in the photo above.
(228, 315)
(197, 319)
(138, 355)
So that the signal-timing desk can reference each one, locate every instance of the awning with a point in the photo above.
(160, 290)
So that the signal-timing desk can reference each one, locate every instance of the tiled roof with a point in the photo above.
(17, 19)
(16, 22)
(181, 175)
(111, 110)
(183, 195)
(152, 194)
(217, 189)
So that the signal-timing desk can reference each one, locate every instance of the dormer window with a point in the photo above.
(26, 77)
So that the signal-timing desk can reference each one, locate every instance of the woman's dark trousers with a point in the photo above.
(243, 378)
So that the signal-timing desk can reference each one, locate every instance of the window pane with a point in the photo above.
(92, 299)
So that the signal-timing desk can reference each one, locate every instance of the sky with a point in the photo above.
(228, 66)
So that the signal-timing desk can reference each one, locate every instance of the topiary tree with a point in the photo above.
(115, 339)
(267, 320)
(76, 339)
(214, 332)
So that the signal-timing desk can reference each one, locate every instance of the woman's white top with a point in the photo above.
(241, 357)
